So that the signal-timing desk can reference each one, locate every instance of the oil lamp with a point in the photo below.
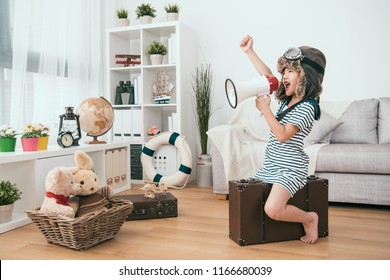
(69, 132)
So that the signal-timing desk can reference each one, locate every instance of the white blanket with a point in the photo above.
(242, 142)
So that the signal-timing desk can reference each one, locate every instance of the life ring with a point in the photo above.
(185, 167)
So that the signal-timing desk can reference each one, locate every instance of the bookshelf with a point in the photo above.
(134, 118)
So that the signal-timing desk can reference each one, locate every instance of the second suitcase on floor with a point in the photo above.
(248, 223)
(162, 206)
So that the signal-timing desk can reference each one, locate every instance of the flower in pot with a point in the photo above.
(31, 133)
(43, 130)
(146, 13)
(156, 50)
(202, 85)
(32, 130)
(7, 138)
(122, 17)
(9, 193)
(7, 131)
(172, 12)
(43, 136)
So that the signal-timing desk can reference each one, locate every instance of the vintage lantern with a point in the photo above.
(69, 132)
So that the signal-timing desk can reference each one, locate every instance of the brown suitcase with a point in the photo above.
(248, 223)
(162, 206)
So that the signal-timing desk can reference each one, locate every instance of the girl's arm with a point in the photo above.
(246, 45)
(281, 132)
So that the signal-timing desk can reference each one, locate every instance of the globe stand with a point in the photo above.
(95, 141)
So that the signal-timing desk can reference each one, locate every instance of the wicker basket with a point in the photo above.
(84, 232)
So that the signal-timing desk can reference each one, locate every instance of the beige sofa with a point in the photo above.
(349, 145)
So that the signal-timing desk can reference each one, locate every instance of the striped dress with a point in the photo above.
(286, 163)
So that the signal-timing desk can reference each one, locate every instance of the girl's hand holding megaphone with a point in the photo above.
(263, 103)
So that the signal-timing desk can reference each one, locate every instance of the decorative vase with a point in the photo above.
(156, 59)
(122, 22)
(146, 19)
(30, 144)
(172, 16)
(6, 212)
(204, 176)
(7, 144)
(43, 142)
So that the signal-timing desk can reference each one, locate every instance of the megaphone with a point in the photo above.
(236, 92)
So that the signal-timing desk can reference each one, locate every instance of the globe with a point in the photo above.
(96, 117)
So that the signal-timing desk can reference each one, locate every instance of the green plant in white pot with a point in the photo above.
(9, 193)
(202, 86)
(172, 11)
(156, 50)
(145, 13)
(122, 17)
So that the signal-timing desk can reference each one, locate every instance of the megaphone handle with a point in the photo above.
(265, 96)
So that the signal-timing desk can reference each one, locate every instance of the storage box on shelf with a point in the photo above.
(28, 171)
(134, 119)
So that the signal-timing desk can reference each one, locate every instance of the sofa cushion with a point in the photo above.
(322, 129)
(358, 188)
(384, 120)
(354, 158)
(359, 123)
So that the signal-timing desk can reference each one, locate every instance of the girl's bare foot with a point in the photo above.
(311, 229)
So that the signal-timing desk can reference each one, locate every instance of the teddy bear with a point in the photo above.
(91, 198)
(60, 185)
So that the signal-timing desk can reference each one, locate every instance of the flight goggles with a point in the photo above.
(294, 54)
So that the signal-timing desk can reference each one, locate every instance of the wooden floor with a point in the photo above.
(200, 232)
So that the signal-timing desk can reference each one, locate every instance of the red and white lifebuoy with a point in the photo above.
(185, 167)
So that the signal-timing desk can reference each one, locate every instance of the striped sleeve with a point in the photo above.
(303, 116)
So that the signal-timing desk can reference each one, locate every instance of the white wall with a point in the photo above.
(354, 36)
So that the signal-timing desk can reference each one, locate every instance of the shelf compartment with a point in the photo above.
(123, 42)
(150, 77)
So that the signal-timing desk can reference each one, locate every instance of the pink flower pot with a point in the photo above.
(30, 144)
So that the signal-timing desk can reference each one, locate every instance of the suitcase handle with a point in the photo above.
(312, 177)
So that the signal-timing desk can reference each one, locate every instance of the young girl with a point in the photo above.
(285, 163)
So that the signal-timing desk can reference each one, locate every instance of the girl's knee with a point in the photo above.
(272, 211)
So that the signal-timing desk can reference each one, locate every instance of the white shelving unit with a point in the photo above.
(133, 120)
(28, 171)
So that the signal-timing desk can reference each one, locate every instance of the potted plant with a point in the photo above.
(9, 193)
(122, 17)
(202, 85)
(146, 13)
(156, 50)
(172, 12)
(43, 136)
(31, 133)
(7, 138)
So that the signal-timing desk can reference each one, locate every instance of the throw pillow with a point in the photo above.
(384, 120)
(322, 129)
(359, 123)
